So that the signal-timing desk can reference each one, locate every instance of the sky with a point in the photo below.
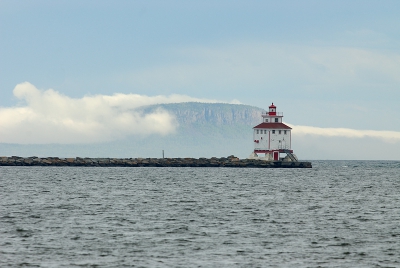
(70, 70)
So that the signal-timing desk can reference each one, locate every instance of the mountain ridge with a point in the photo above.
(219, 113)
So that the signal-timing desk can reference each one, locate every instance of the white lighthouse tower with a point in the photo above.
(272, 137)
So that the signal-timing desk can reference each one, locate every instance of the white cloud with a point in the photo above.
(387, 136)
(46, 116)
(50, 117)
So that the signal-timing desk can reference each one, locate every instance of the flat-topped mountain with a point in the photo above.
(214, 120)
(211, 113)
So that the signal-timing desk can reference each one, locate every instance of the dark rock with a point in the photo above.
(230, 161)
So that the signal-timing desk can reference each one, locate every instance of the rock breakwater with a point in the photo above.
(230, 161)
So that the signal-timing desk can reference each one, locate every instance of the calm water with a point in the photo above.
(338, 214)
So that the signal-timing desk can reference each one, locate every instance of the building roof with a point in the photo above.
(272, 106)
(273, 126)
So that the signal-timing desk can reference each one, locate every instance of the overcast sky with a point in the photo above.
(332, 68)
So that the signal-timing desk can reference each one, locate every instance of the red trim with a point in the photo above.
(273, 126)
(270, 151)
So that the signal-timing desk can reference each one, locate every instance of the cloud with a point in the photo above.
(47, 116)
(387, 136)
(51, 117)
(267, 65)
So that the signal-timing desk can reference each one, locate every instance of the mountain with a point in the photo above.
(207, 129)
(204, 130)
(219, 120)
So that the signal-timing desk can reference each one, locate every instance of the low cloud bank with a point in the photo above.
(387, 136)
(47, 116)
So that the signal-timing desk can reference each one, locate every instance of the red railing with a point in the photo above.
(278, 114)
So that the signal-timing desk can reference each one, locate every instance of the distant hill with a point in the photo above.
(205, 130)
(212, 119)
(211, 113)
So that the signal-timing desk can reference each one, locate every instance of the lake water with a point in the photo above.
(337, 214)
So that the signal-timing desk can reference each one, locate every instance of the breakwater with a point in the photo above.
(230, 161)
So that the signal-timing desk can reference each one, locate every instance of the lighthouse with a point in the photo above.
(272, 137)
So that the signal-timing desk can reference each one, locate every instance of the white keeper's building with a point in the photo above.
(272, 137)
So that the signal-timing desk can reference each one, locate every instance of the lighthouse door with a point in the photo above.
(276, 156)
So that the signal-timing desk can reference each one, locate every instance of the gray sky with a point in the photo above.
(74, 68)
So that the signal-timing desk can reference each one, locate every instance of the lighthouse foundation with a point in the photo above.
(274, 155)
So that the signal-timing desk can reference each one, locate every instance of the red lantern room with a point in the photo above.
(272, 109)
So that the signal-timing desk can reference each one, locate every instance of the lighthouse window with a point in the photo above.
(280, 131)
(276, 120)
(265, 131)
(284, 132)
(257, 131)
(273, 131)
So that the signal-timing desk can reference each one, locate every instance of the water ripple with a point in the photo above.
(338, 214)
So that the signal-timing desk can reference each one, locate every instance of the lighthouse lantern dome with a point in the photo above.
(272, 109)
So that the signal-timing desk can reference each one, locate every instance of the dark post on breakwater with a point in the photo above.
(230, 161)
